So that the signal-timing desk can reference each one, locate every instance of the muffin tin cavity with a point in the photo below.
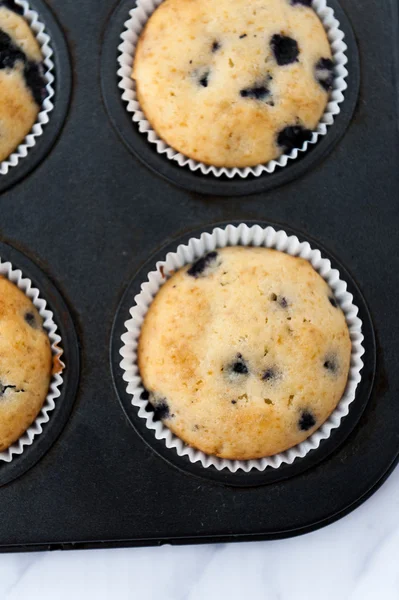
(260, 90)
(54, 105)
(44, 435)
(238, 370)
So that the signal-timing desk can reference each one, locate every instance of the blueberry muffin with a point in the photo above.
(244, 353)
(233, 83)
(25, 366)
(22, 85)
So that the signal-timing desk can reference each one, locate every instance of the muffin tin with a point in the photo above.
(90, 220)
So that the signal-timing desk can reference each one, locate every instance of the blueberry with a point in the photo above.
(325, 63)
(281, 300)
(285, 49)
(331, 364)
(204, 80)
(201, 76)
(293, 136)
(4, 388)
(12, 6)
(333, 301)
(197, 269)
(234, 401)
(35, 81)
(259, 92)
(159, 407)
(239, 366)
(161, 411)
(216, 46)
(306, 421)
(30, 319)
(5, 41)
(149, 407)
(9, 53)
(324, 73)
(270, 374)
(303, 2)
(244, 35)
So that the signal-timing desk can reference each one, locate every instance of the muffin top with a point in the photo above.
(233, 83)
(245, 353)
(26, 363)
(22, 86)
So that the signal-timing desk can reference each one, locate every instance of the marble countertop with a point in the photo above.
(353, 559)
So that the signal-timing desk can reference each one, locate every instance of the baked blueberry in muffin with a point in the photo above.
(22, 85)
(234, 84)
(25, 365)
(245, 353)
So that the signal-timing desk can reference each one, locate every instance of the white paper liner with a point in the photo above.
(43, 118)
(25, 284)
(186, 254)
(133, 28)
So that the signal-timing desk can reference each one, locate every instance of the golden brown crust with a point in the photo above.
(196, 328)
(25, 366)
(214, 124)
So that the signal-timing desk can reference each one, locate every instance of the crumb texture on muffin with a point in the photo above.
(245, 353)
(22, 85)
(233, 83)
(25, 365)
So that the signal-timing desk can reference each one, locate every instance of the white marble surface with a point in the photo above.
(356, 558)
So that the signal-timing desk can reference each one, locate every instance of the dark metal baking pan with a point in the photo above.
(91, 215)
